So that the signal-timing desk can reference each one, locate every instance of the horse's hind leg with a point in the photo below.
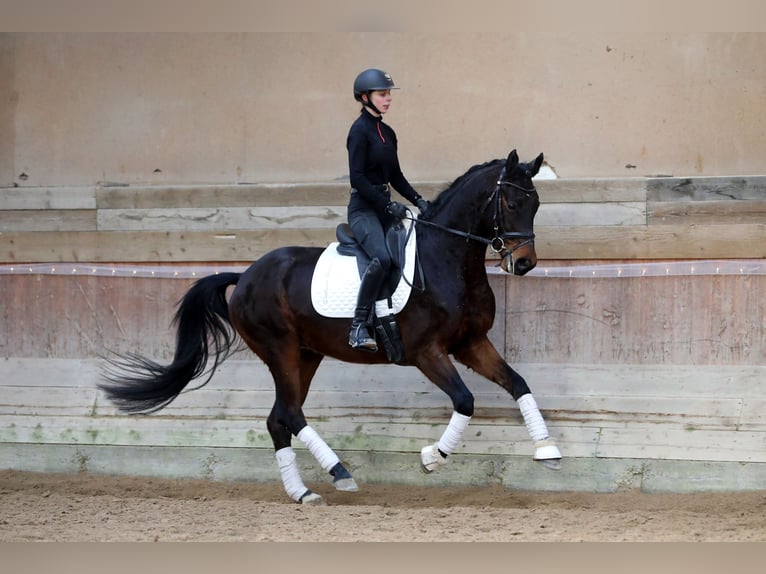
(287, 419)
(483, 358)
(285, 455)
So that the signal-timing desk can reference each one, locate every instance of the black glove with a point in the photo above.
(397, 211)
(424, 206)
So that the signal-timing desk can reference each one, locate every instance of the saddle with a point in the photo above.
(396, 241)
(337, 277)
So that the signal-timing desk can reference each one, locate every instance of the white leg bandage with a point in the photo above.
(323, 453)
(532, 418)
(450, 440)
(291, 477)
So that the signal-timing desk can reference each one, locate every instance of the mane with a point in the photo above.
(459, 184)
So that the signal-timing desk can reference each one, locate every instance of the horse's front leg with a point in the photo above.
(483, 358)
(440, 370)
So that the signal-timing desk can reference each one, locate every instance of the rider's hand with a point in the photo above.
(397, 211)
(424, 206)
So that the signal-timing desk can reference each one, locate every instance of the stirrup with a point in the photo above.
(361, 339)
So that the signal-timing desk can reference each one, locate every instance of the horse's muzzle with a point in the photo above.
(518, 266)
(520, 259)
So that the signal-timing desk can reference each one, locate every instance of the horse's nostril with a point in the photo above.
(523, 265)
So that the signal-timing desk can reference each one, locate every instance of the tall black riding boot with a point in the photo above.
(360, 336)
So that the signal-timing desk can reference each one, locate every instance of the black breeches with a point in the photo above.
(370, 234)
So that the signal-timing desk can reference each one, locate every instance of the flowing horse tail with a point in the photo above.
(136, 384)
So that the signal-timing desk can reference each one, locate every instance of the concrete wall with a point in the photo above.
(7, 109)
(77, 109)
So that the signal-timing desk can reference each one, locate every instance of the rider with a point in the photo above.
(373, 164)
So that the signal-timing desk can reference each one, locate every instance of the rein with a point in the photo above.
(497, 243)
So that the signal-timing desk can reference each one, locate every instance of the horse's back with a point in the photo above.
(283, 260)
(280, 278)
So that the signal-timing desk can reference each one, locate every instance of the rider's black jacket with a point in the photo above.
(373, 161)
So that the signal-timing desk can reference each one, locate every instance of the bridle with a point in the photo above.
(497, 242)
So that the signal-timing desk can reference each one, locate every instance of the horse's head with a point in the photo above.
(493, 204)
(515, 205)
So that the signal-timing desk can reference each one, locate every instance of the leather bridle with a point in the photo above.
(497, 242)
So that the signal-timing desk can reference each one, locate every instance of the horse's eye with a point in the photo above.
(512, 206)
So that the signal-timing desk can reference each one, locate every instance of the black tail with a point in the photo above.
(136, 384)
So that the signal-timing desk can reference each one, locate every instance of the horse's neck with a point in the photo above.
(462, 254)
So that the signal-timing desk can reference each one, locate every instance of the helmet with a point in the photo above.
(370, 80)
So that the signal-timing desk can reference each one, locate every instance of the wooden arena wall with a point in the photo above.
(640, 333)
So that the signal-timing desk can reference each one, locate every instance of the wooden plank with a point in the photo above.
(135, 431)
(563, 190)
(686, 412)
(644, 383)
(641, 321)
(592, 190)
(706, 188)
(224, 219)
(44, 373)
(42, 198)
(48, 220)
(608, 411)
(706, 212)
(51, 402)
(731, 241)
(228, 218)
(575, 214)
(222, 196)
(342, 434)
(336, 193)
(127, 246)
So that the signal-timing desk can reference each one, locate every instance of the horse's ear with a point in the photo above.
(511, 162)
(537, 164)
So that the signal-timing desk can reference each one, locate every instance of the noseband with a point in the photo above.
(497, 242)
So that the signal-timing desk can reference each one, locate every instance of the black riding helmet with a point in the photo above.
(369, 81)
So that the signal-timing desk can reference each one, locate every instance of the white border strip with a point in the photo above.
(598, 271)
(685, 268)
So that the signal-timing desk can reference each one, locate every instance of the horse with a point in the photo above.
(492, 205)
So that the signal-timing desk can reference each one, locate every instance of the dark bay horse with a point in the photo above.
(493, 204)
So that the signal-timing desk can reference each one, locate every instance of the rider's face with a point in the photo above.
(381, 99)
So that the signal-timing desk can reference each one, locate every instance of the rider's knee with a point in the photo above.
(380, 264)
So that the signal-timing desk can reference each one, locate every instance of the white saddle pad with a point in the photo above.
(335, 283)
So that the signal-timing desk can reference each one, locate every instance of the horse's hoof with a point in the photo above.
(551, 463)
(345, 485)
(431, 459)
(548, 454)
(311, 498)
